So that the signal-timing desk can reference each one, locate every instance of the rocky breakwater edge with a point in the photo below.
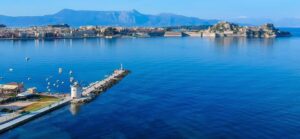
(90, 92)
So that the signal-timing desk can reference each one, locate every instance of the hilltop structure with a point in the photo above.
(226, 29)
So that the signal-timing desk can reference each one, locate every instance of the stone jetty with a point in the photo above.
(94, 89)
(78, 95)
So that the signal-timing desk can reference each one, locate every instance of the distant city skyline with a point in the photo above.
(205, 9)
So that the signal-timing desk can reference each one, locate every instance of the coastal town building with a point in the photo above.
(62, 31)
(11, 88)
(173, 34)
(193, 33)
(32, 90)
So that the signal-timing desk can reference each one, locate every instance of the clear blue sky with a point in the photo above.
(211, 9)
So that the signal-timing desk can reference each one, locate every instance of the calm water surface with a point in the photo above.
(181, 88)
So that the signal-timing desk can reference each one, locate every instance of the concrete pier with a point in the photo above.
(88, 93)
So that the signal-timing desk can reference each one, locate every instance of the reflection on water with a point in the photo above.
(66, 42)
(220, 41)
(74, 108)
(242, 41)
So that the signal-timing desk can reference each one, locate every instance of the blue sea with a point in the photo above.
(179, 88)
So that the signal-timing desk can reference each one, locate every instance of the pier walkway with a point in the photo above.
(104, 84)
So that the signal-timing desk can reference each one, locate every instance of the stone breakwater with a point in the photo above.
(96, 88)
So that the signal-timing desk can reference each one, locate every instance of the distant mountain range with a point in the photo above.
(111, 18)
(130, 18)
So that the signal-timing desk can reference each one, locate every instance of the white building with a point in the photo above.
(76, 91)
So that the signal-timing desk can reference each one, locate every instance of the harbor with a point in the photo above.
(47, 102)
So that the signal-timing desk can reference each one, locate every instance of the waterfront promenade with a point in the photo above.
(23, 119)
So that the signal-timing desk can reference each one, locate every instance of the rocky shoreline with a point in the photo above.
(226, 29)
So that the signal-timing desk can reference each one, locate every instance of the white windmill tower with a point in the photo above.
(76, 91)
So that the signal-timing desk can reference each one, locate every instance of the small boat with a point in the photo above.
(71, 72)
(27, 59)
(71, 79)
(11, 69)
(60, 70)
(28, 78)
